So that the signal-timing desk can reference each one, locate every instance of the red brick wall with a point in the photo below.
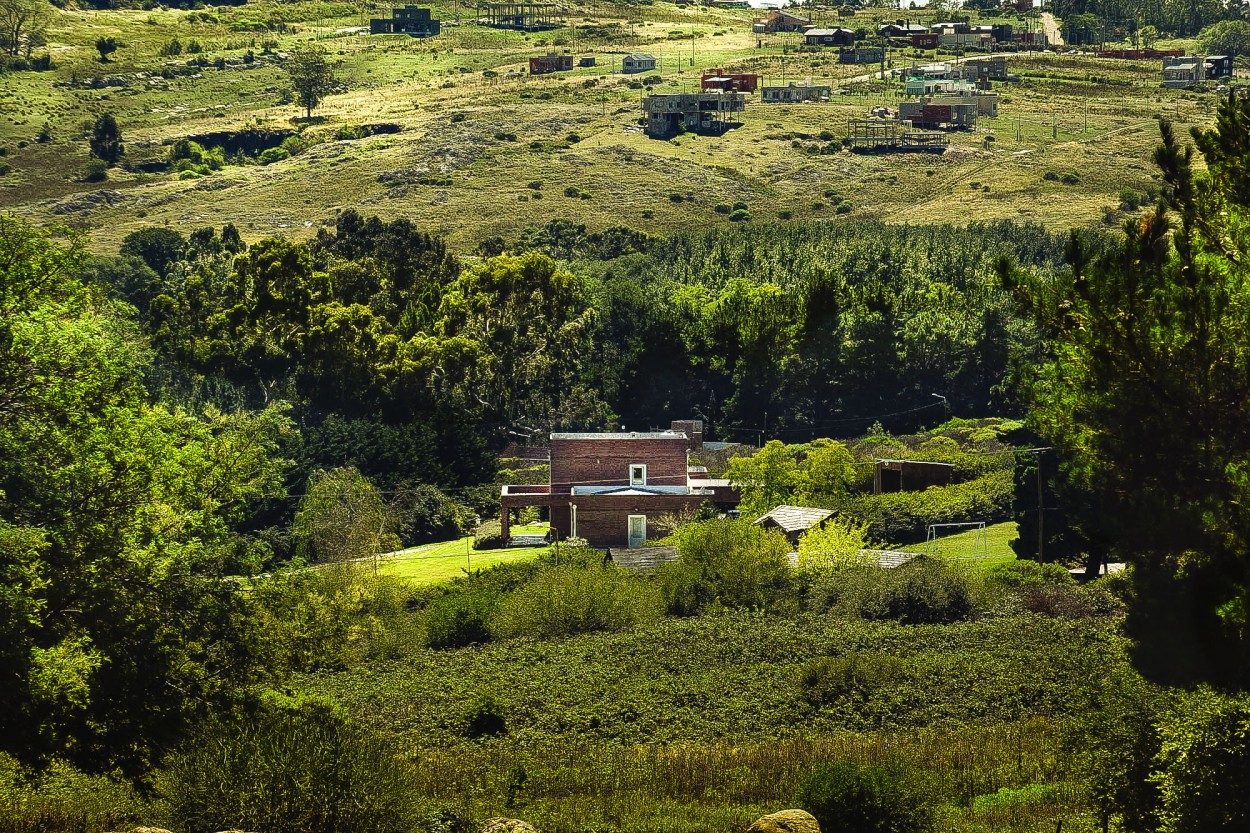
(603, 520)
(606, 462)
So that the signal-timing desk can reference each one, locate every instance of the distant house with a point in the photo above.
(793, 521)
(794, 93)
(782, 21)
(586, 61)
(730, 82)
(638, 62)
(551, 62)
(608, 488)
(928, 40)
(1189, 70)
(710, 113)
(829, 37)
(901, 29)
(910, 475)
(408, 20)
(861, 55)
(990, 68)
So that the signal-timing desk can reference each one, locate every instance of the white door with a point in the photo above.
(637, 530)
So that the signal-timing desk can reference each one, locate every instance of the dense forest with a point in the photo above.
(416, 366)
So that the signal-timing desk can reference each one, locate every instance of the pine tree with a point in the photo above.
(106, 140)
(1146, 392)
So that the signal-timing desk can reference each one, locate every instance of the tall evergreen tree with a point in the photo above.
(1147, 391)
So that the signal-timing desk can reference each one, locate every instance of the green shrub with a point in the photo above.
(572, 191)
(721, 208)
(732, 563)
(1024, 573)
(560, 601)
(923, 591)
(844, 207)
(858, 798)
(488, 536)
(61, 798)
(739, 216)
(1204, 764)
(271, 155)
(483, 716)
(460, 619)
(1070, 178)
(290, 767)
(826, 679)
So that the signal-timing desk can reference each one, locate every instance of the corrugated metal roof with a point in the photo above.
(795, 518)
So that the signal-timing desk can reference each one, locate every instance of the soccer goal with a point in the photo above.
(980, 542)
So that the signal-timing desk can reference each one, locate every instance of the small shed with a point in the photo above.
(910, 475)
(793, 521)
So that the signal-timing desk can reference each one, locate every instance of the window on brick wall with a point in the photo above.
(637, 474)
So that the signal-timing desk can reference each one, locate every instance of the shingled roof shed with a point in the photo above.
(793, 521)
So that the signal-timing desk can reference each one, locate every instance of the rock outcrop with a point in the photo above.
(787, 821)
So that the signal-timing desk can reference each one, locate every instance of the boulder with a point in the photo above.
(503, 825)
(787, 821)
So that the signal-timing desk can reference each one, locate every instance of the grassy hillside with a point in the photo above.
(476, 130)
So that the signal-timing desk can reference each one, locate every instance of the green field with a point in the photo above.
(990, 547)
(434, 563)
(501, 148)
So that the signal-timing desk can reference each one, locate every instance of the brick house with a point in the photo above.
(551, 62)
(605, 487)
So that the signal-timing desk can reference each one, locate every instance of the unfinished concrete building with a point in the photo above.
(891, 135)
(708, 113)
(413, 21)
(794, 93)
(526, 17)
(951, 112)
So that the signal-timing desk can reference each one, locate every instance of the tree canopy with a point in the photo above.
(116, 627)
(1145, 391)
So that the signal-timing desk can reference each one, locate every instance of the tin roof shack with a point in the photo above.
(829, 37)
(861, 55)
(893, 135)
(781, 21)
(551, 62)
(605, 487)
(910, 475)
(708, 113)
(730, 82)
(409, 20)
(795, 93)
(525, 17)
(793, 521)
(586, 61)
(638, 62)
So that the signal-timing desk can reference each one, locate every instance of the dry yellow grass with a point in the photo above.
(1089, 117)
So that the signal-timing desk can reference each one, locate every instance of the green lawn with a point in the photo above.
(432, 563)
(968, 544)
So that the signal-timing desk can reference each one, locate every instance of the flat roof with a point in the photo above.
(638, 490)
(632, 435)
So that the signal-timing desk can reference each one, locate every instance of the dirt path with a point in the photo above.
(1052, 29)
